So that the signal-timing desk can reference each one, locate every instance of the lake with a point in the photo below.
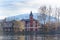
(31, 37)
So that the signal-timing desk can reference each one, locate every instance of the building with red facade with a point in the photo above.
(31, 24)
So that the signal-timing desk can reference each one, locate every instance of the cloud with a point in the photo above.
(27, 10)
(16, 7)
(2, 17)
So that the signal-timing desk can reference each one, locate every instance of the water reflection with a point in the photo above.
(32, 37)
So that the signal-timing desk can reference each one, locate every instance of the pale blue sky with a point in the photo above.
(16, 7)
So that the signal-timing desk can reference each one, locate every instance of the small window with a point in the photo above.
(8, 29)
(31, 29)
(35, 29)
(5, 29)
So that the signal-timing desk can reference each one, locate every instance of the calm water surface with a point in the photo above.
(31, 37)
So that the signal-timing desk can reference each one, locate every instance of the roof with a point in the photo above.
(28, 20)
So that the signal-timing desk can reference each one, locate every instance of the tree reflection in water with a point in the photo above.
(32, 37)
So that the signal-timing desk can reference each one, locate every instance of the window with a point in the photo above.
(5, 29)
(8, 29)
(31, 29)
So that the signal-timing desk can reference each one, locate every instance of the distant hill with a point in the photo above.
(26, 16)
(22, 16)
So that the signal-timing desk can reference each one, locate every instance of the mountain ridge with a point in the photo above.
(26, 16)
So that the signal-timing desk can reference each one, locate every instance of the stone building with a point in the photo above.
(31, 24)
(19, 26)
(7, 27)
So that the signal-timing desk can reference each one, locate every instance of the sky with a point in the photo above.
(17, 7)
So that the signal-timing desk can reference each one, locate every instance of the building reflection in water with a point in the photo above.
(16, 27)
(32, 37)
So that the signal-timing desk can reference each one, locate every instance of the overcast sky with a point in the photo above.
(17, 7)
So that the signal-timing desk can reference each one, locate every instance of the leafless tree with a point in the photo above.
(49, 12)
(58, 14)
(42, 13)
(42, 16)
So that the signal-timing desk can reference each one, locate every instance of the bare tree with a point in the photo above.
(58, 14)
(42, 14)
(49, 12)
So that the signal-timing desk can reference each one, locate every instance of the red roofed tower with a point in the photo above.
(31, 21)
